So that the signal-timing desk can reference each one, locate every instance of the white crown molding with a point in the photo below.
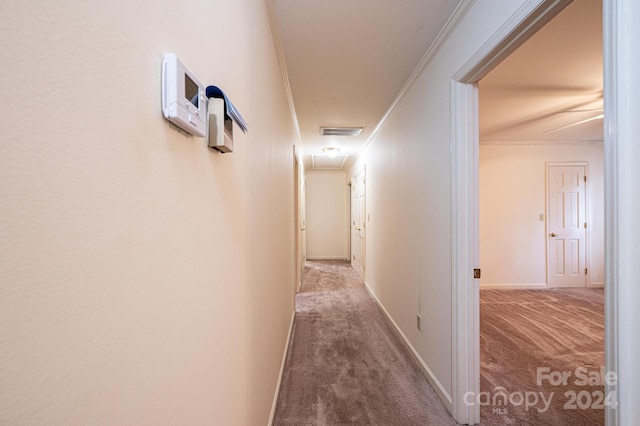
(272, 14)
(442, 37)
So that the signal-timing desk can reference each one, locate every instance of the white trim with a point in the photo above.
(622, 106)
(442, 37)
(598, 284)
(465, 298)
(328, 258)
(433, 380)
(554, 143)
(524, 286)
(274, 404)
(610, 58)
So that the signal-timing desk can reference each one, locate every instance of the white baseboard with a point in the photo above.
(597, 284)
(284, 360)
(327, 258)
(435, 383)
(513, 286)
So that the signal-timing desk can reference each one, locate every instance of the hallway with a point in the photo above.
(345, 364)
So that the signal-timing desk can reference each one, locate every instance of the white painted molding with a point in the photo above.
(622, 229)
(525, 286)
(426, 371)
(531, 16)
(610, 59)
(537, 143)
(346, 259)
(274, 404)
(465, 296)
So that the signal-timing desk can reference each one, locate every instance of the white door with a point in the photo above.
(303, 222)
(566, 225)
(358, 225)
(299, 222)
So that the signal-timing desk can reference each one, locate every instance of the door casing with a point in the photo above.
(532, 15)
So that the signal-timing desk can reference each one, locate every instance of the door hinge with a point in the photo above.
(585, 178)
(585, 271)
(585, 225)
(476, 273)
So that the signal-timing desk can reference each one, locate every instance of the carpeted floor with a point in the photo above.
(558, 330)
(345, 365)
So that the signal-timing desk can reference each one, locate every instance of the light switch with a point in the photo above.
(541, 217)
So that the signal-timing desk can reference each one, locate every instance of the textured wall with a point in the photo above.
(144, 279)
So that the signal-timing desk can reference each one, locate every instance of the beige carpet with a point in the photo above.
(561, 331)
(345, 365)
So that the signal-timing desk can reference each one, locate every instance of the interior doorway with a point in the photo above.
(299, 219)
(465, 203)
(538, 211)
(358, 223)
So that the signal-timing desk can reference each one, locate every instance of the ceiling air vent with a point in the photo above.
(340, 131)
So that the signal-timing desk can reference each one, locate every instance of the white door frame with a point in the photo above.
(622, 105)
(531, 16)
(622, 230)
(297, 214)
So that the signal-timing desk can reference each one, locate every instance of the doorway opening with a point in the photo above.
(465, 166)
(358, 223)
(299, 214)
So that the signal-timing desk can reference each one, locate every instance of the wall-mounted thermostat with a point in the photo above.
(183, 97)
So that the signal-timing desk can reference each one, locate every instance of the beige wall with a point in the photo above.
(512, 196)
(145, 279)
(327, 215)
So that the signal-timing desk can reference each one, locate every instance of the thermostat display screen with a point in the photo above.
(190, 90)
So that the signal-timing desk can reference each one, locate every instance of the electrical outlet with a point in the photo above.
(418, 320)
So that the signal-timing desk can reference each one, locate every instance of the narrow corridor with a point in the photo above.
(345, 363)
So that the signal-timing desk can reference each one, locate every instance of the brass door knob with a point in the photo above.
(553, 234)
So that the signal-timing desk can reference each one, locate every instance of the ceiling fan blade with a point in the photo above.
(581, 110)
(597, 117)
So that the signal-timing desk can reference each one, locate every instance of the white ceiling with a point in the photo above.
(553, 80)
(347, 60)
